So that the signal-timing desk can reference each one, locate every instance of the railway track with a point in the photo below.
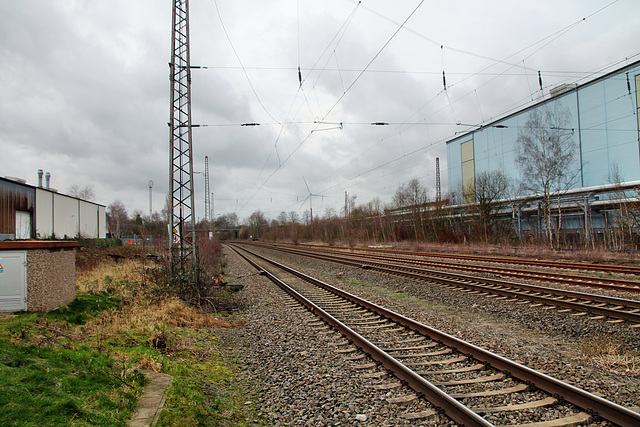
(548, 276)
(562, 265)
(599, 307)
(471, 385)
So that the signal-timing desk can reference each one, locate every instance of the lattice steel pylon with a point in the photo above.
(438, 194)
(183, 263)
(207, 197)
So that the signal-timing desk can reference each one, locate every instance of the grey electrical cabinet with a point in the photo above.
(13, 281)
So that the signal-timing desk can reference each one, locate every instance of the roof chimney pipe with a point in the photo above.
(47, 178)
(40, 173)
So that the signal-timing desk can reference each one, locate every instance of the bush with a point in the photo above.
(92, 252)
(100, 243)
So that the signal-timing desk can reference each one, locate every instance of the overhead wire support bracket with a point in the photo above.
(339, 126)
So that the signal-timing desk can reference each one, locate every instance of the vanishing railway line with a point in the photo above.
(548, 276)
(610, 309)
(563, 265)
(470, 385)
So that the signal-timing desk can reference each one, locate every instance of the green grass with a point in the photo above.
(355, 282)
(84, 307)
(206, 390)
(400, 295)
(80, 365)
(48, 379)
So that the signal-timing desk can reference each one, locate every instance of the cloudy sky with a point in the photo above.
(84, 90)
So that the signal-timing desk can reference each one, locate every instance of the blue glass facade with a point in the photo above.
(603, 120)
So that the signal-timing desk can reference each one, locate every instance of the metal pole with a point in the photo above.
(150, 204)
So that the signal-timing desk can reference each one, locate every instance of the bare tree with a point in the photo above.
(293, 217)
(258, 224)
(622, 224)
(282, 218)
(227, 221)
(84, 193)
(546, 151)
(118, 218)
(489, 188)
(413, 197)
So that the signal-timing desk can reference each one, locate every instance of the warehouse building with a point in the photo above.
(601, 117)
(40, 212)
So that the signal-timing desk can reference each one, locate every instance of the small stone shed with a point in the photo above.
(37, 275)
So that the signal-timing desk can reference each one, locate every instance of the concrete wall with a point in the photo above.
(50, 272)
(51, 278)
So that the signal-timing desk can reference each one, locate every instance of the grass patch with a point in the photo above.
(83, 363)
(206, 390)
(50, 375)
(355, 282)
(400, 295)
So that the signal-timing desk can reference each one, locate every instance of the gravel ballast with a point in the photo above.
(299, 375)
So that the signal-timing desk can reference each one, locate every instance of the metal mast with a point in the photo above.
(438, 194)
(207, 197)
(182, 217)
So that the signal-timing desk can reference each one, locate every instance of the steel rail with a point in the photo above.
(442, 401)
(572, 279)
(505, 260)
(474, 282)
(581, 398)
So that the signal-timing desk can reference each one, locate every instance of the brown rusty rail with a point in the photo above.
(566, 265)
(571, 279)
(590, 403)
(580, 302)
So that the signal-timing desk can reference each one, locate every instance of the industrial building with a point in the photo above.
(41, 212)
(600, 116)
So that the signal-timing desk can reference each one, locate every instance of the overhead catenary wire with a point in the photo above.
(364, 70)
(235, 52)
(369, 69)
(373, 59)
(340, 33)
(348, 88)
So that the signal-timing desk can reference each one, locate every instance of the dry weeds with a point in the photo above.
(142, 315)
(105, 277)
(611, 355)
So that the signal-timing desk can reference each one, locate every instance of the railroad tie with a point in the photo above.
(365, 366)
(402, 399)
(388, 386)
(379, 374)
(487, 393)
(519, 407)
(476, 367)
(419, 415)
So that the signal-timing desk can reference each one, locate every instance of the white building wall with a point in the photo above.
(44, 214)
(102, 222)
(66, 216)
(88, 219)
(58, 216)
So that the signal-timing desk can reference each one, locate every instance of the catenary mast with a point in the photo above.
(183, 263)
(207, 196)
